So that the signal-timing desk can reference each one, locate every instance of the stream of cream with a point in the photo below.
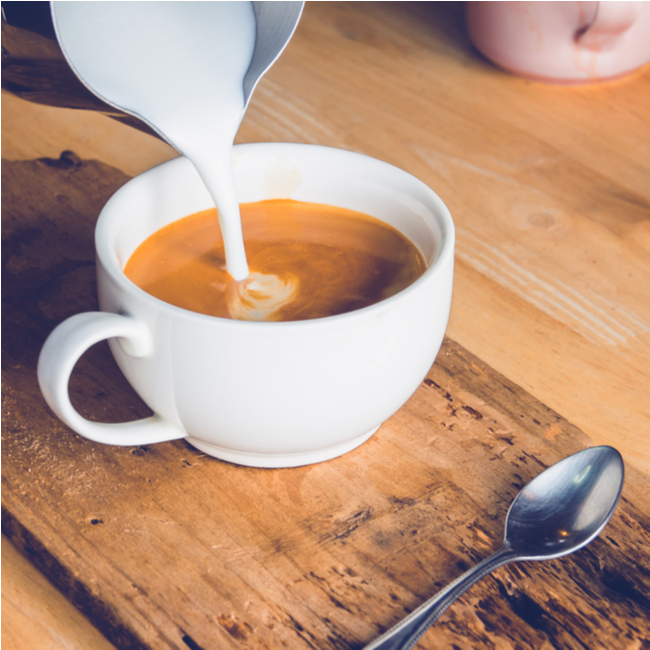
(180, 67)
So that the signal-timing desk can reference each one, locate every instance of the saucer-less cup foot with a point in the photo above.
(260, 394)
(281, 460)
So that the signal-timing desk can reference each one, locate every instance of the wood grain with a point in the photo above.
(548, 186)
(164, 547)
(31, 604)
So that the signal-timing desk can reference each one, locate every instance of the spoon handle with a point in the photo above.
(408, 631)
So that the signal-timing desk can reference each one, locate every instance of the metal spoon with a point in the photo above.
(558, 512)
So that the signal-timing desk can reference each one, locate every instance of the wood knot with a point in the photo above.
(67, 160)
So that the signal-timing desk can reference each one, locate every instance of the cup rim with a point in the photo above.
(108, 260)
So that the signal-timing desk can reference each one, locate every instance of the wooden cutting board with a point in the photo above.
(164, 547)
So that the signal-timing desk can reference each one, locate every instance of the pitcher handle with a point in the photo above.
(60, 353)
(612, 20)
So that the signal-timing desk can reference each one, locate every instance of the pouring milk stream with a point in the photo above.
(180, 67)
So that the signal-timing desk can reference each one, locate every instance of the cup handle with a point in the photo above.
(60, 353)
(611, 21)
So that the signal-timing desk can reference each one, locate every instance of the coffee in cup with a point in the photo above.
(307, 260)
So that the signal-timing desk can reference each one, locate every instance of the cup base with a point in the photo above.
(566, 81)
(276, 461)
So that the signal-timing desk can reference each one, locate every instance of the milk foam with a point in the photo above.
(260, 297)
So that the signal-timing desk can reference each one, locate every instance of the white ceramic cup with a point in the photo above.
(260, 394)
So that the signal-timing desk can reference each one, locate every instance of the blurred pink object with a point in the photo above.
(562, 42)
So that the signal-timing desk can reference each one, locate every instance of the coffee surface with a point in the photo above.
(306, 261)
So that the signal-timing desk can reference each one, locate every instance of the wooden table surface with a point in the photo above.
(549, 187)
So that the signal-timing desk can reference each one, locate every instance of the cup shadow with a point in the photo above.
(49, 210)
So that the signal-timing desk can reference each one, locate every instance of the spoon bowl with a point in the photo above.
(566, 506)
(558, 512)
